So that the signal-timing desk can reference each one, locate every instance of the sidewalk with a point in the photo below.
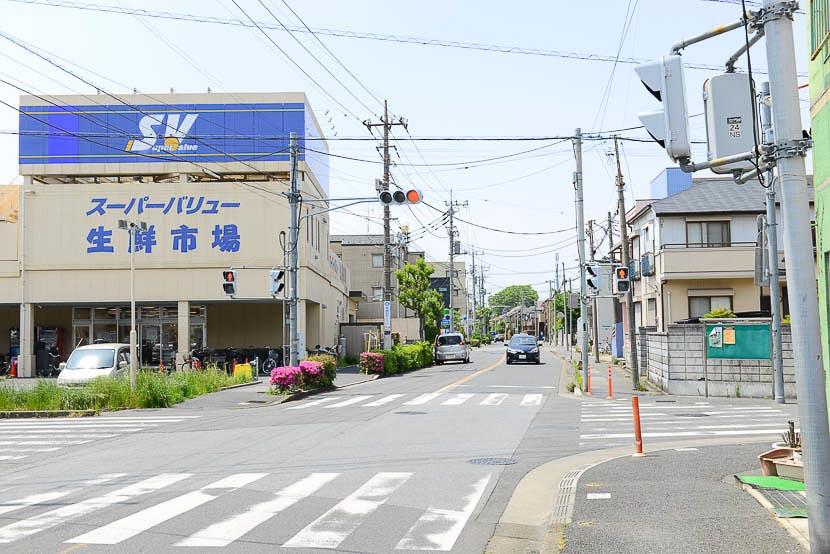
(682, 496)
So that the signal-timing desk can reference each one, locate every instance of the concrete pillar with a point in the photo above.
(26, 358)
(183, 346)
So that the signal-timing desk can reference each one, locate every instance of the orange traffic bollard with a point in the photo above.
(638, 436)
(161, 366)
(588, 382)
(610, 393)
(13, 372)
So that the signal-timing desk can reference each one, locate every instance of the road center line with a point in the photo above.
(473, 375)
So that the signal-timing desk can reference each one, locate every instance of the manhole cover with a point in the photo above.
(698, 414)
(493, 461)
(410, 413)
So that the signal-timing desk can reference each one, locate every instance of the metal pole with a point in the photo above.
(629, 296)
(557, 292)
(594, 322)
(293, 256)
(133, 361)
(580, 227)
(772, 240)
(387, 257)
(452, 266)
(801, 276)
(474, 294)
(550, 311)
(568, 315)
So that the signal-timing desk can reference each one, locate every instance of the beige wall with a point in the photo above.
(746, 296)
(225, 328)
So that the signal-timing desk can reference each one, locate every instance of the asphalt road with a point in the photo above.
(412, 462)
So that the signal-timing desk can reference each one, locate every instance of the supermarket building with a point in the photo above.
(207, 175)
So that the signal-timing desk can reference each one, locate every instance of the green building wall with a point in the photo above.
(819, 51)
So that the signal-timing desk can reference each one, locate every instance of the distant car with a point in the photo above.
(95, 360)
(523, 348)
(498, 337)
(450, 347)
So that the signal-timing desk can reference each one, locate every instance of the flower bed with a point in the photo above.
(400, 359)
(310, 374)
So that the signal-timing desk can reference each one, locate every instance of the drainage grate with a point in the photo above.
(493, 461)
(697, 414)
(410, 413)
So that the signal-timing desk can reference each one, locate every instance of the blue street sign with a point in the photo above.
(445, 323)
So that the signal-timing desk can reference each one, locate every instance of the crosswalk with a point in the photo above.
(611, 423)
(433, 399)
(25, 437)
(305, 503)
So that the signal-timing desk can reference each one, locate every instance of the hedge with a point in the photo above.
(407, 357)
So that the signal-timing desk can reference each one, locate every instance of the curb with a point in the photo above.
(240, 385)
(21, 414)
(793, 528)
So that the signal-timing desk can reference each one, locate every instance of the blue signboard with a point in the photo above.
(201, 133)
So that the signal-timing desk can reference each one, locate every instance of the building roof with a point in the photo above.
(358, 240)
(716, 195)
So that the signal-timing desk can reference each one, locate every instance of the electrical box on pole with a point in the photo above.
(668, 126)
(730, 127)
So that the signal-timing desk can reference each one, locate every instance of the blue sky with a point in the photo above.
(441, 91)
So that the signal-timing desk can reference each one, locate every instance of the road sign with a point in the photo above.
(504, 312)
(445, 323)
(387, 315)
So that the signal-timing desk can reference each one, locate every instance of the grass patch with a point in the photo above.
(153, 390)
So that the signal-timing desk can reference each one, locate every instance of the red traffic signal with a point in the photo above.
(622, 273)
(400, 197)
(229, 282)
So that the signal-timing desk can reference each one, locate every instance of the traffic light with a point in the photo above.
(276, 281)
(669, 126)
(400, 197)
(229, 282)
(622, 284)
(592, 278)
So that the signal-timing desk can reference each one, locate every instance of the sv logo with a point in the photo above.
(172, 128)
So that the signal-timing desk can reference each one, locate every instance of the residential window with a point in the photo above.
(702, 305)
(651, 316)
(377, 260)
(377, 294)
(707, 234)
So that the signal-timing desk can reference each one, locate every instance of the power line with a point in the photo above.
(359, 35)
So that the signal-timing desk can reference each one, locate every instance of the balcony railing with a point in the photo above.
(730, 244)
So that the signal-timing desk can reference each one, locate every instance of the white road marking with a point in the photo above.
(332, 528)
(494, 399)
(686, 449)
(458, 399)
(599, 495)
(349, 401)
(42, 432)
(72, 436)
(10, 458)
(449, 523)
(516, 387)
(31, 500)
(53, 449)
(116, 426)
(132, 525)
(423, 399)
(381, 401)
(225, 532)
(683, 434)
(40, 443)
(312, 403)
(532, 400)
(105, 478)
(52, 518)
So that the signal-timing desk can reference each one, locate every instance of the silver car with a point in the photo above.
(95, 360)
(450, 347)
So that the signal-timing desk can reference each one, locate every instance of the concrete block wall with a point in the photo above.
(675, 363)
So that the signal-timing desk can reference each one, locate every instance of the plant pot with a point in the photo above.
(768, 459)
(789, 468)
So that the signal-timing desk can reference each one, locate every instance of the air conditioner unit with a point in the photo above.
(647, 264)
(634, 270)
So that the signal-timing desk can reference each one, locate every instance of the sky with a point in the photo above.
(550, 84)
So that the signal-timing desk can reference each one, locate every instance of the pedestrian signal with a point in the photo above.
(622, 283)
(229, 282)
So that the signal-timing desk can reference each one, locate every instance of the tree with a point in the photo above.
(414, 293)
(512, 296)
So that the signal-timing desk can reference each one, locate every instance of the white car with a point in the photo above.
(89, 362)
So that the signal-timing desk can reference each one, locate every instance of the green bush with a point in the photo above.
(329, 367)
(720, 312)
(153, 390)
(348, 360)
(486, 339)
(390, 362)
(475, 343)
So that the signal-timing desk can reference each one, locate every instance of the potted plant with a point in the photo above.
(784, 461)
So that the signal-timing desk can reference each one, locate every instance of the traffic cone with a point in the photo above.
(14, 368)
(161, 366)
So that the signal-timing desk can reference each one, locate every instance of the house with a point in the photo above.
(693, 249)
(440, 282)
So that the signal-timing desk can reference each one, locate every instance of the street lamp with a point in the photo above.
(130, 227)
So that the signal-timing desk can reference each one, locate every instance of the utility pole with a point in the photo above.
(566, 302)
(610, 235)
(626, 262)
(474, 290)
(594, 306)
(570, 330)
(451, 212)
(293, 257)
(550, 311)
(557, 291)
(580, 226)
(772, 243)
(801, 277)
(387, 251)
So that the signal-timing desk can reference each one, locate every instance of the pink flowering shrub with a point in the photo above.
(312, 373)
(371, 362)
(287, 379)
